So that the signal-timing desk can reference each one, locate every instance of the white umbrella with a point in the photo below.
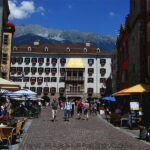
(23, 92)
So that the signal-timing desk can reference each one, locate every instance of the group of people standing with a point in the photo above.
(69, 107)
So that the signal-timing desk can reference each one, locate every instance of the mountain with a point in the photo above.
(26, 34)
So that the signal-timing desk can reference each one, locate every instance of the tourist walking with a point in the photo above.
(67, 110)
(79, 108)
(54, 109)
(86, 109)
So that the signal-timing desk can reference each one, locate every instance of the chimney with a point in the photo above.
(87, 44)
(35, 43)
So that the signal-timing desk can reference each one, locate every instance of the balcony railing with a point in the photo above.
(74, 78)
(75, 92)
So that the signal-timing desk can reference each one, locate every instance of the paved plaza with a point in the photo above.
(94, 134)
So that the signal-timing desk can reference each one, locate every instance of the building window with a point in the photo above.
(53, 79)
(47, 71)
(39, 90)
(85, 50)
(46, 90)
(102, 91)
(26, 70)
(4, 58)
(62, 71)
(13, 70)
(54, 61)
(34, 61)
(61, 91)
(33, 89)
(33, 70)
(46, 49)
(33, 80)
(46, 79)
(62, 61)
(102, 62)
(40, 70)
(102, 80)
(25, 79)
(90, 91)
(47, 61)
(27, 60)
(6, 39)
(19, 79)
(90, 80)
(90, 62)
(40, 80)
(19, 70)
(53, 91)
(20, 60)
(53, 71)
(29, 49)
(13, 60)
(102, 71)
(40, 61)
(90, 71)
(62, 79)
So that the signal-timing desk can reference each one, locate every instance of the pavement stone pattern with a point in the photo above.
(94, 134)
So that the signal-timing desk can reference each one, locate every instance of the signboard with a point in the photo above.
(134, 105)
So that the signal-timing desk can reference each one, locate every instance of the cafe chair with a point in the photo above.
(17, 130)
(6, 135)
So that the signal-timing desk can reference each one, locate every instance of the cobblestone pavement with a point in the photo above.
(94, 134)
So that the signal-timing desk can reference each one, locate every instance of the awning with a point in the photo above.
(5, 84)
(75, 63)
(139, 88)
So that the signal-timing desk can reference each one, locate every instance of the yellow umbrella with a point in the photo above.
(139, 88)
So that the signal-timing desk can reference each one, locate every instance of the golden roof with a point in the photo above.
(75, 63)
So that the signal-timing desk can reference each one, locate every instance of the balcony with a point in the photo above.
(74, 92)
(70, 78)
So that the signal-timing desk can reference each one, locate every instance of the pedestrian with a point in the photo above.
(54, 109)
(86, 109)
(79, 108)
(67, 110)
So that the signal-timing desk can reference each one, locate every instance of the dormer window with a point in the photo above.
(85, 50)
(29, 49)
(98, 50)
(68, 49)
(46, 49)
(14, 48)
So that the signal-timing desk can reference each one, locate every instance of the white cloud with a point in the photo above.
(23, 10)
(112, 14)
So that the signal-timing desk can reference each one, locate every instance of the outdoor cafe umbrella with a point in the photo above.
(5, 84)
(23, 92)
(109, 98)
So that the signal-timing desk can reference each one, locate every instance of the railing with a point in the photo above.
(74, 78)
(74, 92)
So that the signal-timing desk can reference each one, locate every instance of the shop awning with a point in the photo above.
(75, 63)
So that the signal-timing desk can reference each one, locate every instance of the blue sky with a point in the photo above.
(99, 16)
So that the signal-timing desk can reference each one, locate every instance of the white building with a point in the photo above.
(61, 70)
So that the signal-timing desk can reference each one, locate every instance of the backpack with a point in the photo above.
(54, 105)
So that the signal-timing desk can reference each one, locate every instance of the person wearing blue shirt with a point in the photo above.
(67, 110)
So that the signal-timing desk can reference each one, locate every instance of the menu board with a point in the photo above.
(134, 114)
